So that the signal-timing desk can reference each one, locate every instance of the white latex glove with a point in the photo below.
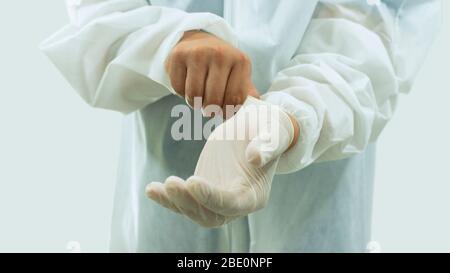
(235, 169)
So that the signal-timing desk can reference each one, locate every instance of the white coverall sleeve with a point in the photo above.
(343, 84)
(113, 52)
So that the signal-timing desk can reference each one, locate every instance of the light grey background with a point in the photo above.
(58, 156)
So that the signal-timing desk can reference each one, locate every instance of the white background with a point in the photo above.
(58, 156)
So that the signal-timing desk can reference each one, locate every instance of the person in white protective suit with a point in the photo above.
(329, 71)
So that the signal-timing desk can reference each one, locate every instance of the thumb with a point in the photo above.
(263, 149)
(270, 145)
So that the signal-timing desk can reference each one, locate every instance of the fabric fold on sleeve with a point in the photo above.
(113, 52)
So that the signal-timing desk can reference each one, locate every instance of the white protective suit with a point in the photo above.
(336, 66)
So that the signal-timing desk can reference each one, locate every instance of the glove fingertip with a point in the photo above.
(173, 184)
(174, 179)
(151, 190)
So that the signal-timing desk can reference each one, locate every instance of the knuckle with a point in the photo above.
(178, 55)
(243, 59)
(234, 100)
(216, 101)
(197, 55)
(219, 54)
(193, 91)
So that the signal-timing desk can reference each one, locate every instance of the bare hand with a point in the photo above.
(203, 65)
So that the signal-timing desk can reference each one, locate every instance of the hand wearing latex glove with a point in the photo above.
(235, 169)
